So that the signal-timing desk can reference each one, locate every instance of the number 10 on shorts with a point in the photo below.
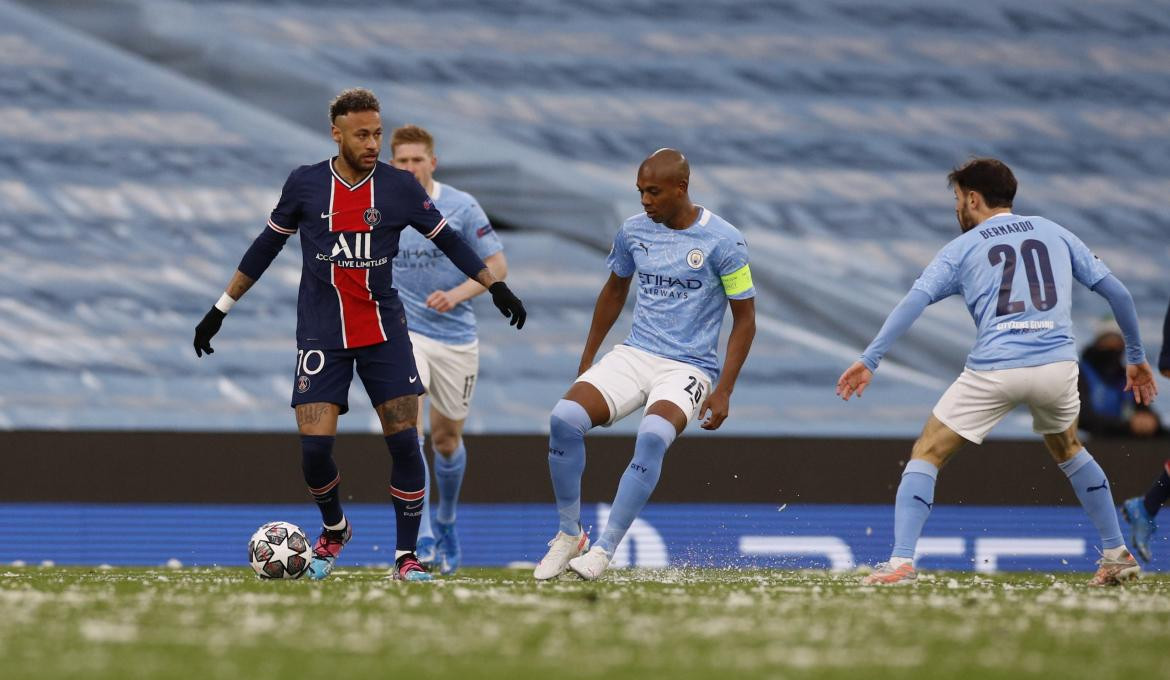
(310, 362)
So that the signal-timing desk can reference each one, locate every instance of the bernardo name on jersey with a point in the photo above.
(1015, 275)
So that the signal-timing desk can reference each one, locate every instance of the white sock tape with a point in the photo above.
(225, 302)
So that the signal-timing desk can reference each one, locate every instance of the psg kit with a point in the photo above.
(348, 310)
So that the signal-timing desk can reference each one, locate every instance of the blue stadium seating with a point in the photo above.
(142, 143)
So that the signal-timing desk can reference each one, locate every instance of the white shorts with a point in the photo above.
(629, 378)
(978, 400)
(447, 372)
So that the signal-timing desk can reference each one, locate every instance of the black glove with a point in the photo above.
(209, 326)
(508, 304)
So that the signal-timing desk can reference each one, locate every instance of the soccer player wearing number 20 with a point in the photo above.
(687, 263)
(350, 212)
(1015, 274)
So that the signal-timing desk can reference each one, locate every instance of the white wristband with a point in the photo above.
(225, 302)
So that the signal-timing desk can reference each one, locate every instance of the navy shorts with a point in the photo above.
(386, 369)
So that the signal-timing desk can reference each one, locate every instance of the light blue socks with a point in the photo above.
(424, 526)
(655, 435)
(1092, 489)
(912, 506)
(567, 426)
(449, 478)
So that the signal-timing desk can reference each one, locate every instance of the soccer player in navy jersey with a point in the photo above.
(350, 211)
(1140, 511)
(1015, 274)
(437, 299)
(688, 266)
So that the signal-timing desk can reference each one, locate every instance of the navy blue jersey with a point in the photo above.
(349, 237)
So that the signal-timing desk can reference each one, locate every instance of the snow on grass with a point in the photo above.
(680, 623)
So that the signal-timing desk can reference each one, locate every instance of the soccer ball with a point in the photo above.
(279, 550)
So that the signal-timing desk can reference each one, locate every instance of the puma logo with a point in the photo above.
(921, 500)
(644, 248)
(1104, 484)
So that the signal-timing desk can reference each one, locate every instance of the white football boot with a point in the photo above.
(561, 549)
(591, 565)
(1116, 571)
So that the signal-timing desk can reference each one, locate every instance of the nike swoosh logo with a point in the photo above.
(326, 216)
(413, 379)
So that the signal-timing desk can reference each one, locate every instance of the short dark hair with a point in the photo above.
(352, 100)
(991, 177)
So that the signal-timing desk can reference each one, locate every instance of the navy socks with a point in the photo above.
(322, 477)
(407, 488)
(1159, 492)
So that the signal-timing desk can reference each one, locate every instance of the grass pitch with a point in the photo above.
(490, 623)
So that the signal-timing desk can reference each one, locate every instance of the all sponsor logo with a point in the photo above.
(353, 250)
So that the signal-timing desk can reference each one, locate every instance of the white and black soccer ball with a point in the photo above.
(279, 550)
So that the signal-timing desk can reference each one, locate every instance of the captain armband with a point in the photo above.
(738, 281)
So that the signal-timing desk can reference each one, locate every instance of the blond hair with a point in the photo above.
(412, 134)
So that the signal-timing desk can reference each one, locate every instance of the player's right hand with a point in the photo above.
(508, 304)
(853, 381)
(1140, 379)
(206, 330)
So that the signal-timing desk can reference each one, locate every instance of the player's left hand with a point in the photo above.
(441, 301)
(718, 403)
(508, 304)
(1140, 379)
(854, 381)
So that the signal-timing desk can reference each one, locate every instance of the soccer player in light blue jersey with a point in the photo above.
(1015, 274)
(687, 265)
(437, 298)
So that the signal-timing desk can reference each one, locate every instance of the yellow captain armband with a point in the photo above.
(737, 281)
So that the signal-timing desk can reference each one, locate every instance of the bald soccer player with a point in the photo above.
(689, 264)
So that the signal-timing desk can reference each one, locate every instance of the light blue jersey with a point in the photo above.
(683, 278)
(1015, 274)
(420, 268)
